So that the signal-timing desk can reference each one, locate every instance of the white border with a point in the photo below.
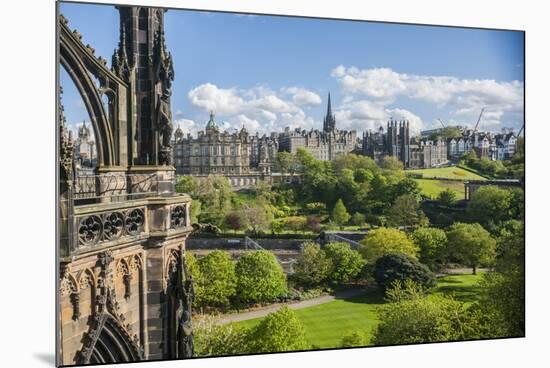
(28, 128)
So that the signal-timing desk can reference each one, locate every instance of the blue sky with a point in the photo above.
(268, 72)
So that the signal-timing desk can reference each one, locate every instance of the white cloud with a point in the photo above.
(464, 98)
(259, 109)
(302, 96)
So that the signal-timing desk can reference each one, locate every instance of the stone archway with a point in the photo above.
(109, 342)
(94, 81)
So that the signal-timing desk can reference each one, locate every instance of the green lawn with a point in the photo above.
(452, 172)
(326, 324)
(431, 188)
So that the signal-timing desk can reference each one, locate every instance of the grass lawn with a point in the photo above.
(431, 188)
(326, 324)
(452, 172)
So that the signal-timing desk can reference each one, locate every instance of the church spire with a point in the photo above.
(329, 122)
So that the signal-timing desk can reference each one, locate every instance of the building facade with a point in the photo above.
(500, 146)
(84, 147)
(243, 159)
(324, 145)
(396, 142)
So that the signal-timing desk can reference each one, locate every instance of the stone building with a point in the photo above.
(426, 153)
(324, 145)
(243, 159)
(84, 147)
(123, 290)
(396, 142)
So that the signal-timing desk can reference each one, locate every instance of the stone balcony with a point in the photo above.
(116, 210)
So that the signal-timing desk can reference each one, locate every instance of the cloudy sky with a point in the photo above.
(267, 73)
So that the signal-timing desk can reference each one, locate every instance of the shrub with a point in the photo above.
(346, 262)
(313, 265)
(384, 241)
(259, 277)
(358, 219)
(432, 243)
(279, 331)
(353, 339)
(218, 279)
(398, 266)
(212, 339)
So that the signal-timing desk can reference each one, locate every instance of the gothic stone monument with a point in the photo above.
(124, 293)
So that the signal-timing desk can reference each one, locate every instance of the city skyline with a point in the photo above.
(373, 71)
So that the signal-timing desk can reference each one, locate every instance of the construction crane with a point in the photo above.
(479, 119)
(521, 130)
(441, 121)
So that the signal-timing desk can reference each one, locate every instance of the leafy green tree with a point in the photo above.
(384, 241)
(391, 163)
(353, 339)
(215, 195)
(286, 162)
(358, 219)
(279, 331)
(346, 262)
(418, 319)
(313, 266)
(214, 339)
(432, 243)
(471, 244)
(502, 298)
(259, 277)
(187, 184)
(218, 280)
(406, 186)
(257, 218)
(490, 205)
(196, 209)
(340, 214)
(399, 266)
(447, 197)
(406, 212)
(295, 223)
(194, 271)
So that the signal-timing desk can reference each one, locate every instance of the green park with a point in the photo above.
(446, 269)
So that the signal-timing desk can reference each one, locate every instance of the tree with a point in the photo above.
(279, 331)
(490, 205)
(235, 220)
(471, 244)
(406, 212)
(286, 162)
(432, 245)
(447, 197)
(353, 339)
(313, 265)
(295, 223)
(187, 184)
(195, 273)
(418, 319)
(346, 262)
(358, 219)
(313, 223)
(257, 218)
(391, 163)
(259, 277)
(215, 195)
(398, 266)
(384, 241)
(502, 294)
(218, 279)
(214, 339)
(339, 214)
